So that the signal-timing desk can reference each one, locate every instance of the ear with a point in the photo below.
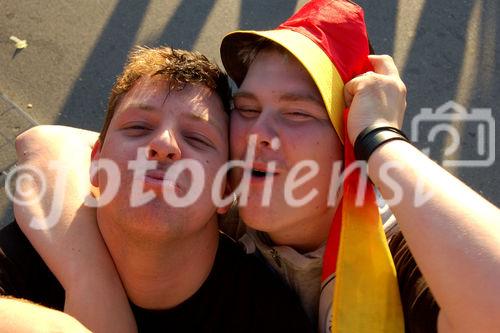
(94, 157)
(227, 192)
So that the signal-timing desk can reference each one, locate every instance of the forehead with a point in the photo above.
(279, 71)
(155, 94)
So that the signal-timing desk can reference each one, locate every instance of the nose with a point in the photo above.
(164, 147)
(264, 128)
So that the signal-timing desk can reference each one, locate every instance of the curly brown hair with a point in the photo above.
(178, 67)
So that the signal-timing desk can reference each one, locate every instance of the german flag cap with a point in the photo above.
(329, 39)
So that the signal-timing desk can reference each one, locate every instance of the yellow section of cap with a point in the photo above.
(319, 66)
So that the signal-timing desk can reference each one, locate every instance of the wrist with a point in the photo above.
(98, 275)
(373, 137)
(390, 158)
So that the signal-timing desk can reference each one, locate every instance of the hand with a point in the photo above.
(375, 98)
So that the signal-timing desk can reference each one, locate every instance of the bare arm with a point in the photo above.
(455, 235)
(68, 239)
(19, 316)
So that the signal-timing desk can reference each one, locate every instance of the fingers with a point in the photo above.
(384, 64)
(352, 87)
(385, 73)
(374, 85)
(377, 97)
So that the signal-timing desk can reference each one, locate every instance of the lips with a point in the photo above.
(258, 173)
(156, 174)
(261, 169)
(261, 173)
(157, 178)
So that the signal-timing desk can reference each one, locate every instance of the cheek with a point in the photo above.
(238, 137)
(211, 167)
(324, 149)
(326, 145)
(330, 161)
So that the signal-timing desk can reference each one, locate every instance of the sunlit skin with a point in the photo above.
(278, 99)
(184, 124)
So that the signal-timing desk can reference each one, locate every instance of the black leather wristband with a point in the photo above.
(372, 137)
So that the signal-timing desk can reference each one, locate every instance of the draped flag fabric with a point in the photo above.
(328, 37)
(366, 283)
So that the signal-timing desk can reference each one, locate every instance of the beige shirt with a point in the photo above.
(302, 272)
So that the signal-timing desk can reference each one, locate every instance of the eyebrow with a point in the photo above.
(243, 94)
(141, 106)
(285, 97)
(294, 97)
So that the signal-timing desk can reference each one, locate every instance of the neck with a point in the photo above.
(163, 274)
(302, 237)
(306, 236)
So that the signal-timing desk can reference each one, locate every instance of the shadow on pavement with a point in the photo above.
(439, 44)
(447, 41)
(381, 35)
(104, 63)
(253, 16)
(485, 88)
(185, 25)
(118, 36)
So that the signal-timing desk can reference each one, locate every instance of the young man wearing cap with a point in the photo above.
(167, 109)
(291, 92)
(289, 95)
(291, 82)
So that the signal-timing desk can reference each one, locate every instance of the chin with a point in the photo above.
(259, 219)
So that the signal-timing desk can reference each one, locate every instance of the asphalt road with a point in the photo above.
(76, 48)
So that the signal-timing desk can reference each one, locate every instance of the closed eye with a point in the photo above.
(199, 141)
(136, 129)
(297, 115)
(247, 113)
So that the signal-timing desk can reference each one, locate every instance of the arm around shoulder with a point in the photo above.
(52, 139)
(64, 231)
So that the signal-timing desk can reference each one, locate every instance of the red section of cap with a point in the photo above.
(338, 27)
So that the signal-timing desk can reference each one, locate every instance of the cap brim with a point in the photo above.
(311, 56)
